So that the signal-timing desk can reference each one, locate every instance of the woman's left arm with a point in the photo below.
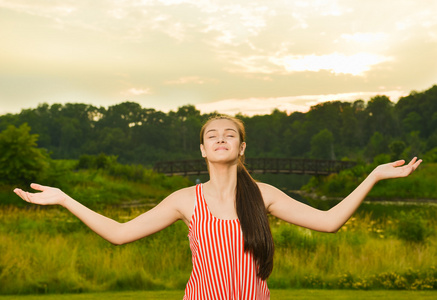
(284, 207)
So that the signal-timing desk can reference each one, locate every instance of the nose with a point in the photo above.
(221, 139)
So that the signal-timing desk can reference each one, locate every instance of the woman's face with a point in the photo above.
(221, 141)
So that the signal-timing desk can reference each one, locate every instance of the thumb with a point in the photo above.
(38, 187)
(398, 163)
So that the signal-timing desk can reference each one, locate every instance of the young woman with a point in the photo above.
(229, 234)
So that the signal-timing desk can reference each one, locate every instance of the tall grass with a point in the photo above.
(365, 254)
(47, 250)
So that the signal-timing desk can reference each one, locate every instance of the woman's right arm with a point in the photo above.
(164, 214)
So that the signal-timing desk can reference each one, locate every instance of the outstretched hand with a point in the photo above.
(395, 169)
(47, 196)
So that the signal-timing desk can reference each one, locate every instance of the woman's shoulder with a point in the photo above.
(269, 193)
(183, 201)
(266, 188)
(185, 192)
(183, 198)
(183, 195)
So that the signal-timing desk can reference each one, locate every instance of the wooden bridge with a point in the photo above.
(259, 165)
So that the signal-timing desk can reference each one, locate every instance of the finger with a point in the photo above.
(19, 193)
(412, 166)
(30, 197)
(23, 195)
(417, 164)
(26, 196)
(412, 161)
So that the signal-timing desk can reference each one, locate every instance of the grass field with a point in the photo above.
(275, 294)
(48, 251)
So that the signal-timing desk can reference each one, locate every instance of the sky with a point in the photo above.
(225, 56)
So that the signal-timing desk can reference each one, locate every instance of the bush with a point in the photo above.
(412, 228)
(21, 162)
(288, 236)
(101, 161)
(431, 156)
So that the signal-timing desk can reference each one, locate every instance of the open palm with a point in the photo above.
(47, 196)
(396, 169)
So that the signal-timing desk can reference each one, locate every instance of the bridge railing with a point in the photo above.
(259, 165)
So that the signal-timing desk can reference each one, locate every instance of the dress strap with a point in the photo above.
(197, 204)
(199, 193)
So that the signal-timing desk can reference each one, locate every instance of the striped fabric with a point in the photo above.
(221, 268)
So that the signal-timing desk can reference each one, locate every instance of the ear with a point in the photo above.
(202, 150)
(242, 148)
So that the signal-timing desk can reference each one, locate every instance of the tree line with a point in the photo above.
(356, 130)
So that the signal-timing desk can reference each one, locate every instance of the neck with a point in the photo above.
(222, 179)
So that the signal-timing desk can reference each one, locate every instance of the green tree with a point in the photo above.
(187, 124)
(21, 162)
(322, 145)
(396, 149)
(377, 145)
(412, 122)
(295, 142)
(325, 115)
(349, 125)
(415, 145)
(264, 133)
(424, 105)
(380, 117)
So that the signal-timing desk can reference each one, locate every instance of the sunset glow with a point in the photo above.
(167, 53)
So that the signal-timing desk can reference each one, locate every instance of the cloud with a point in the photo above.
(364, 37)
(40, 8)
(355, 64)
(136, 92)
(191, 80)
(337, 63)
(324, 7)
(174, 52)
(261, 106)
(251, 106)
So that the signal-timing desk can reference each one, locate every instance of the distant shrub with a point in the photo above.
(431, 156)
(21, 161)
(136, 173)
(101, 161)
(412, 228)
(287, 236)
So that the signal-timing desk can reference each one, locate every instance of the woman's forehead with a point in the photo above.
(221, 124)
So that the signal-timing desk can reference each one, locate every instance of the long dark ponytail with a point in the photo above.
(251, 211)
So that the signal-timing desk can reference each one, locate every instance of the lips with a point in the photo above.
(221, 148)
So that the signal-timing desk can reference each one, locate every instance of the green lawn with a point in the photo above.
(275, 294)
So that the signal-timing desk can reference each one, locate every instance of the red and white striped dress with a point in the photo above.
(221, 268)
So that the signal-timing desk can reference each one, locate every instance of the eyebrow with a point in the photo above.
(227, 129)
